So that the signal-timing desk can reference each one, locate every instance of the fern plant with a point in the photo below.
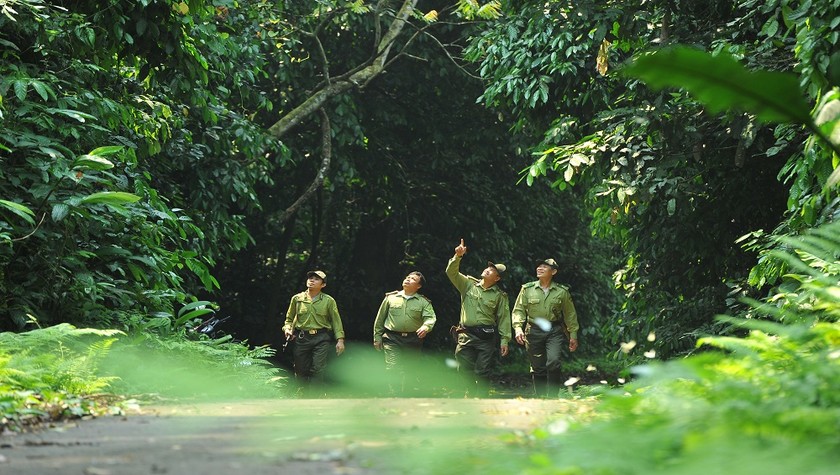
(52, 372)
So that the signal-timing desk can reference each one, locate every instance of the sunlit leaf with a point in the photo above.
(108, 150)
(193, 305)
(431, 16)
(92, 162)
(602, 60)
(110, 197)
(193, 314)
(20, 210)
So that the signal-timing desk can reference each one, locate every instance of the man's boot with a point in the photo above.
(539, 386)
(552, 386)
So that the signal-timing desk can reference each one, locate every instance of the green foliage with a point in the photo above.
(52, 373)
(671, 178)
(127, 157)
(59, 358)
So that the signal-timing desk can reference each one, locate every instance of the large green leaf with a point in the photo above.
(110, 197)
(107, 150)
(194, 305)
(19, 210)
(721, 83)
(92, 162)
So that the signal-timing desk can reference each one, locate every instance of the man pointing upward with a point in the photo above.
(485, 317)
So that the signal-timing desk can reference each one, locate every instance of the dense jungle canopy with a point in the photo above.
(156, 153)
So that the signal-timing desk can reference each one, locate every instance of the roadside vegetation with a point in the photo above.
(60, 373)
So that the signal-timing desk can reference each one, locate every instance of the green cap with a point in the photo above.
(318, 273)
(500, 268)
(549, 262)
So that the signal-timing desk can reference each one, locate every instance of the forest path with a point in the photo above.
(294, 436)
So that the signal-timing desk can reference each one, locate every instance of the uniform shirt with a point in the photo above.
(555, 306)
(402, 313)
(480, 306)
(313, 314)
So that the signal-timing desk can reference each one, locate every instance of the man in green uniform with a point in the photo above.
(403, 321)
(311, 321)
(485, 317)
(543, 315)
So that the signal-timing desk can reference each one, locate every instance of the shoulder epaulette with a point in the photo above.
(530, 284)
(474, 280)
(424, 297)
(392, 293)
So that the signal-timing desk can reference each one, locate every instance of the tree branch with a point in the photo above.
(443, 47)
(341, 84)
(326, 153)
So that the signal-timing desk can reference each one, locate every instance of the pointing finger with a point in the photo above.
(462, 241)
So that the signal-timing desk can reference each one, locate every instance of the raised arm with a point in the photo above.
(453, 269)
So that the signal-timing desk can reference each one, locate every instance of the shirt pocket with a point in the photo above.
(488, 305)
(414, 313)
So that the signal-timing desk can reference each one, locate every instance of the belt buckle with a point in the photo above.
(312, 332)
(404, 333)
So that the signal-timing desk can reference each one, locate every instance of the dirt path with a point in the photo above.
(298, 436)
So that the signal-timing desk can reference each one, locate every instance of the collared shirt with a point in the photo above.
(480, 306)
(555, 305)
(403, 313)
(307, 313)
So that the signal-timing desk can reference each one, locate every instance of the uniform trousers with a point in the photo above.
(311, 353)
(476, 357)
(545, 353)
(401, 352)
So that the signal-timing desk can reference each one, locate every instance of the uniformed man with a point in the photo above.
(485, 317)
(312, 321)
(543, 316)
(403, 321)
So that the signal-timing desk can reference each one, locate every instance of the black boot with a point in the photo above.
(553, 386)
(539, 385)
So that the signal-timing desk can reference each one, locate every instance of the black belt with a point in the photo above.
(400, 333)
(479, 329)
(301, 333)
